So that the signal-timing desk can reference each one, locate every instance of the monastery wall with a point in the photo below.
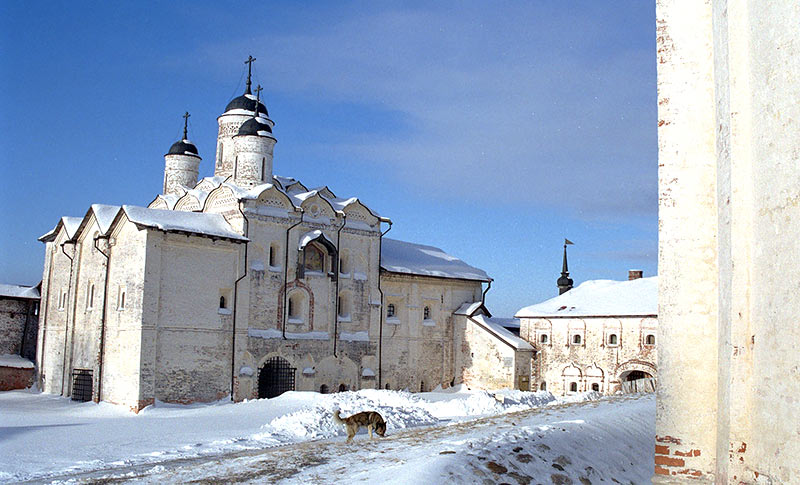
(186, 334)
(596, 359)
(13, 315)
(418, 353)
(83, 334)
(483, 361)
(729, 186)
(55, 297)
(123, 369)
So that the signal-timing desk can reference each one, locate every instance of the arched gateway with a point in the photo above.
(275, 378)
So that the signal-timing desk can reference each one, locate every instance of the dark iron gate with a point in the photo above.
(82, 385)
(275, 378)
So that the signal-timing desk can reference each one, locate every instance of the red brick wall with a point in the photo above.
(15, 378)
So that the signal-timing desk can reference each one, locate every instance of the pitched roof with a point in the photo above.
(201, 223)
(496, 328)
(417, 259)
(598, 298)
(18, 291)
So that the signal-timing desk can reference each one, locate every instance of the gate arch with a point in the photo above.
(275, 377)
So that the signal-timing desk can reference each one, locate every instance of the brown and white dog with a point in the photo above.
(372, 420)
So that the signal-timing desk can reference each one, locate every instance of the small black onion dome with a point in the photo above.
(252, 127)
(247, 102)
(183, 147)
(564, 281)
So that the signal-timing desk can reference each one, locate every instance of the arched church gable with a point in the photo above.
(288, 288)
(593, 371)
(223, 201)
(572, 370)
(206, 185)
(359, 214)
(273, 197)
(188, 203)
(316, 207)
(158, 203)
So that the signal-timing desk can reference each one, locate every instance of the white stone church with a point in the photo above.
(246, 284)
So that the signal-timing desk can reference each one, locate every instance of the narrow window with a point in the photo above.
(263, 169)
(612, 339)
(573, 387)
(291, 308)
(576, 339)
(390, 310)
(421, 386)
(386, 386)
(426, 313)
(222, 302)
(90, 297)
(272, 256)
(543, 338)
(650, 340)
(219, 159)
(62, 298)
(543, 387)
(323, 389)
(596, 387)
(342, 388)
(121, 299)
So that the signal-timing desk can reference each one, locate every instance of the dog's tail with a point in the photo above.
(336, 418)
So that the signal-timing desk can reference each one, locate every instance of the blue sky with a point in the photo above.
(492, 130)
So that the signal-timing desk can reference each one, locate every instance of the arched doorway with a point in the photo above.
(275, 378)
(634, 375)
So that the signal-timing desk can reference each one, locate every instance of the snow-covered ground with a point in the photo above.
(457, 436)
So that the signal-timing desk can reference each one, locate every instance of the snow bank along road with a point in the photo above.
(535, 439)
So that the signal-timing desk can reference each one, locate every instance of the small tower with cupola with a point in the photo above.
(240, 110)
(181, 164)
(253, 145)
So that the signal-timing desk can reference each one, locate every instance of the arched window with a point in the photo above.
(222, 302)
(650, 339)
(323, 389)
(296, 307)
(386, 386)
(342, 388)
(344, 305)
(543, 386)
(344, 262)
(543, 338)
(421, 386)
(573, 387)
(596, 387)
(390, 310)
(612, 339)
(576, 339)
(426, 313)
(219, 158)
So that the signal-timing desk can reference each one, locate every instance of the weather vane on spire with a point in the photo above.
(185, 124)
(249, 62)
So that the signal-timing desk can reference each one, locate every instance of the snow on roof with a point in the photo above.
(367, 372)
(496, 328)
(70, 224)
(409, 258)
(600, 298)
(105, 215)
(16, 361)
(193, 222)
(507, 322)
(311, 236)
(18, 291)
(469, 309)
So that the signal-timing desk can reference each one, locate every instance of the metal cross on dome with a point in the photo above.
(185, 124)
(249, 62)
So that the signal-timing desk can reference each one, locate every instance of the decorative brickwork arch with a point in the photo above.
(288, 287)
(624, 370)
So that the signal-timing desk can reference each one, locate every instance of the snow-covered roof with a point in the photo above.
(312, 236)
(417, 259)
(105, 215)
(70, 225)
(598, 298)
(18, 291)
(205, 224)
(16, 361)
(495, 327)
(469, 309)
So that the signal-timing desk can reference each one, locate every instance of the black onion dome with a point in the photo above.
(564, 281)
(253, 126)
(247, 102)
(183, 147)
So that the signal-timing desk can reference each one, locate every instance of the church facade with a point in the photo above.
(244, 284)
